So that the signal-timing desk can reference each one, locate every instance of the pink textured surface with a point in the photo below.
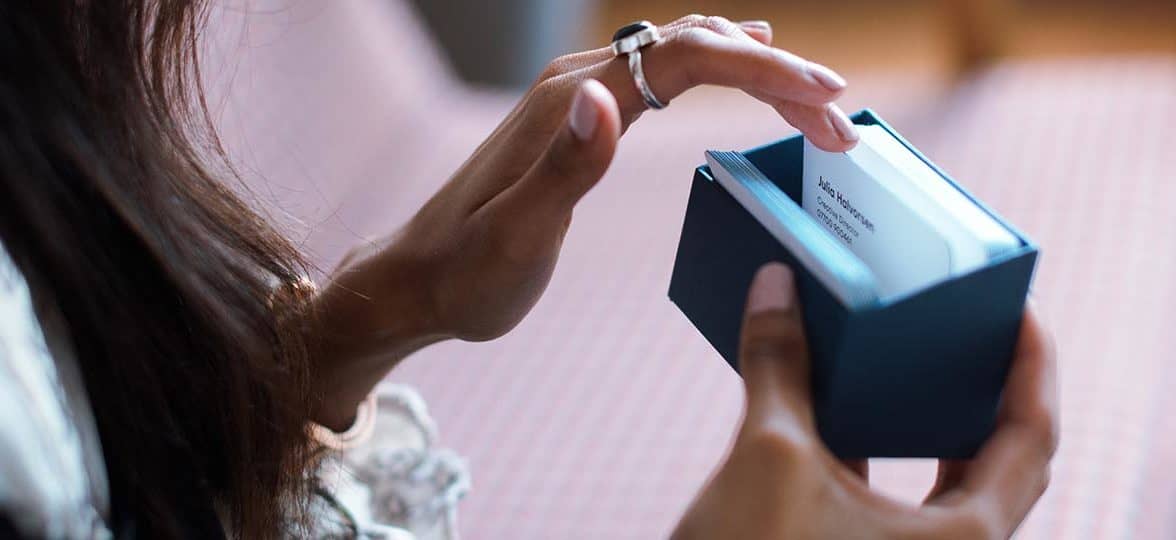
(603, 413)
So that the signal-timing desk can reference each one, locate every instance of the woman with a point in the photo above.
(162, 356)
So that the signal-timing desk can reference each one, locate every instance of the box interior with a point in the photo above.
(783, 163)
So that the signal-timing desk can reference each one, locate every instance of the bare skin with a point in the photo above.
(475, 259)
(779, 480)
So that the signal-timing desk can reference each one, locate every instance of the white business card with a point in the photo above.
(973, 236)
(905, 251)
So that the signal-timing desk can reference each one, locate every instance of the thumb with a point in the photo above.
(773, 356)
(579, 153)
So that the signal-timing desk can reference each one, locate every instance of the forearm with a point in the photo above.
(372, 313)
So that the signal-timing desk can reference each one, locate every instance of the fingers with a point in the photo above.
(578, 155)
(698, 50)
(827, 126)
(773, 357)
(694, 56)
(713, 51)
(1012, 469)
(1031, 392)
(575, 62)
(760, 31)
(581, 60)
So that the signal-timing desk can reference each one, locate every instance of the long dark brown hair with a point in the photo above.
(164, 277)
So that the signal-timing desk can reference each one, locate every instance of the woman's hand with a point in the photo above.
(475, 259)
(779, 481)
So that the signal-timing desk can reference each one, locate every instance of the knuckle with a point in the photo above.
(693, 38)
(552, 69)
(555, 68)
(687, 50)
(763, 347)
(547, 88)
(693, 19)
(546, 99)
(717, 24)
(772, 335)
(684, 51)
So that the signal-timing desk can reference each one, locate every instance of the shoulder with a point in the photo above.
(51, 479)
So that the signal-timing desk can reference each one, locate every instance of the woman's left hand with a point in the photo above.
(475, 259)
(779, 480)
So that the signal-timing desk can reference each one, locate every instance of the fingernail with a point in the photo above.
(755, 25)
(771, 290)
(842, 125)
(583, 115)
(826, 77)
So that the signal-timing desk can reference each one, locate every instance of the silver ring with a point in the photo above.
(630, 39)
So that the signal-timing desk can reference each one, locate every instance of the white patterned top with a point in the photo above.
(52, 477)
(386, 480)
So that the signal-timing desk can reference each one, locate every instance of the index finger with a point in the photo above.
(1012, 469)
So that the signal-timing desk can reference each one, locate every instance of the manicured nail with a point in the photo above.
(826, 77)
(771, 290)
(583, 115)
(842, 125)
(763, 26)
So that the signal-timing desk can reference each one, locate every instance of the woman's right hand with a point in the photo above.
(779, 480)
(477, 257)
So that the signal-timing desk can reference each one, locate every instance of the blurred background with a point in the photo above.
(603, 413)
(508, 42)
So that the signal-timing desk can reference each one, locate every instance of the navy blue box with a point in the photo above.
(919, 376)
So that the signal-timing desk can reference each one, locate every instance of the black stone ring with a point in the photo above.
(629, 40)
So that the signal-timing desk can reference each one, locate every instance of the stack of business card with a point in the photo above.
(874, 223)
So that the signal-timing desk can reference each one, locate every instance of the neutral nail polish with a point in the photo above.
(826, 77)
(583, 116)
(755, 25)
(771, 289)
(842, 125)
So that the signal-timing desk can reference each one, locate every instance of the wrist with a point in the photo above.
(374, 312)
